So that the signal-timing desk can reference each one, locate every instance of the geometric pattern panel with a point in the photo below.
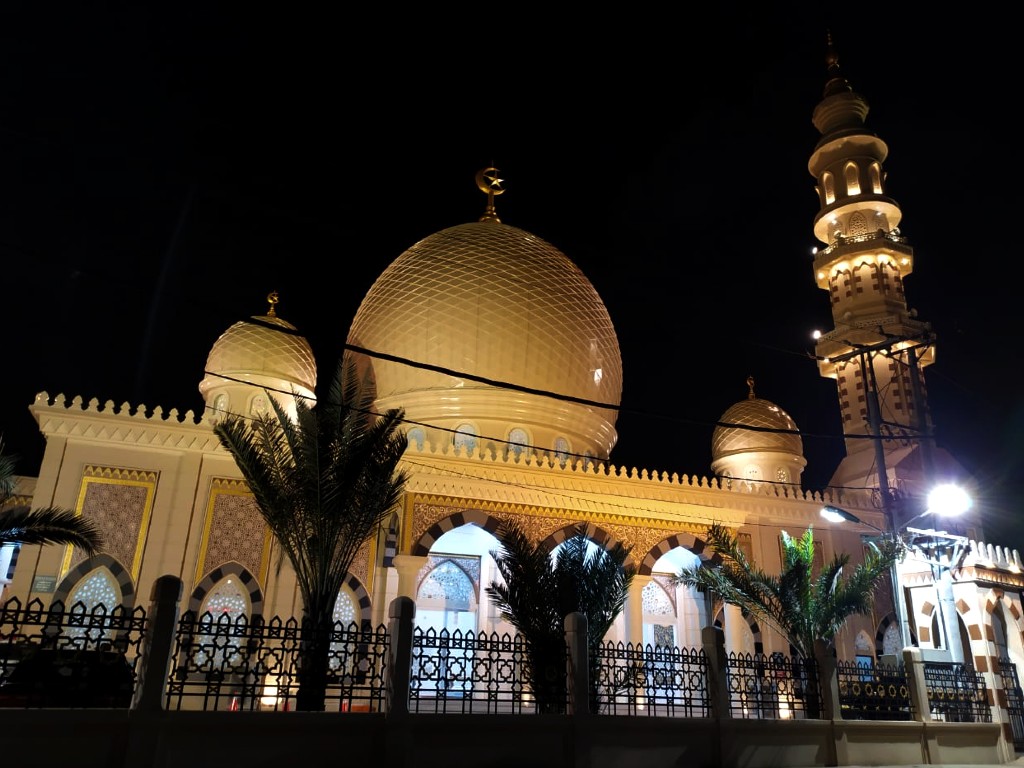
(235, 531)
(119, 503)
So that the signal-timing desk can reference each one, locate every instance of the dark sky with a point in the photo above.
(163, 168)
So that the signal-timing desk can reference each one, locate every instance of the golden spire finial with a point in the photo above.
(750, 383)
(489, 182)
(272, 299)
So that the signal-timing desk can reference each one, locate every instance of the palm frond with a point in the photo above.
(803, 608)
(49, 525)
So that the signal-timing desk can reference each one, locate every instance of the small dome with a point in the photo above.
(264, 352)
(498, 303)
(772, 451)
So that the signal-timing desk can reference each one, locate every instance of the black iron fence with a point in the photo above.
(874, 691)
(472, 672)
(956, 693)
(75, 656)
(769, 687)
(657, 681)
(91, 657)
(224, 662)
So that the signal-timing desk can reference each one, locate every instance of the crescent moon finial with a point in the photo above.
(489, 182)
(272, 299)
(750, 383)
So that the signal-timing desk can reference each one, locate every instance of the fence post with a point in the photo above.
(401, 613)
(713, 640)
(157, 644)
(913, 663)
(579, 664)
(828, 680)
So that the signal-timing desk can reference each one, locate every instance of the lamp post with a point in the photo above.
(942, 551)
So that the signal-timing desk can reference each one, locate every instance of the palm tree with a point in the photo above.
(323, 484)
(46, 525)
(539, 591)
(804, 608)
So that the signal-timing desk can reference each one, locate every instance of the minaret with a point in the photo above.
(862, 265)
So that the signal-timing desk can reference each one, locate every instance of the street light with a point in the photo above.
(941, 550)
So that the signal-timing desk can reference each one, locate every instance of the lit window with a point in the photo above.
(464, 438)
(217, 647)
(517, 442)
(258, 405)
(876, 179)
(417, 437)
(830, 189)
(562, 450)
(782, 475)
(852, 179)
(99, 595)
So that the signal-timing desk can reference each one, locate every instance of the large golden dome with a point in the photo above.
(500, 304)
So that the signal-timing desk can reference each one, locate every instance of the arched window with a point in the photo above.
(562, 450)
(830, 188)
(222, 609)
(857, 225)
(97, 594)
(852, 179)
(417, 437)
(876, 178)
(518, 440)
(258, 405)
(999, 628)
(464, 438)
(220, 403)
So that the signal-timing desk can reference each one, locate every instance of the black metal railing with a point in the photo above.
(91, 657)
(76, 657)
(873, 691)
(234, 663)
(764, 687)
(651, 680)
(471, 672)
(956, 693)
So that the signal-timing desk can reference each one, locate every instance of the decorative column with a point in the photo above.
(734, 623)
(635, 610)
(408, 567)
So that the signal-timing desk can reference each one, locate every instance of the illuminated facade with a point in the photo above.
(507, 365)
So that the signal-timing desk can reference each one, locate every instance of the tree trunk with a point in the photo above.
(548, 676)
(314, 652)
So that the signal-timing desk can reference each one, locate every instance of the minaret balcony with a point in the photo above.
(878, 245)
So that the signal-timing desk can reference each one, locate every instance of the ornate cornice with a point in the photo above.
(127, 425)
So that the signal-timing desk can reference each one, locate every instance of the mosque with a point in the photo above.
(507, 365)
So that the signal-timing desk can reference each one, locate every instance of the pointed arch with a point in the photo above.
(852, 176)
(828, 182)
(597, 535)
(119, 575)
(687, 541)
(362, 603)
(422, 546)
(218, 574)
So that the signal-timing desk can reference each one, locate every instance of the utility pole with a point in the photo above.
(865, 353)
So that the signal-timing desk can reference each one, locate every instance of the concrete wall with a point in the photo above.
(139, 739)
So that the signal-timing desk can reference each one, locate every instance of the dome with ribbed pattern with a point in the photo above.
(772, 450)
(489, 304)
(264, 352)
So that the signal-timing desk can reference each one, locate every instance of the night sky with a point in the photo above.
(162, 169)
